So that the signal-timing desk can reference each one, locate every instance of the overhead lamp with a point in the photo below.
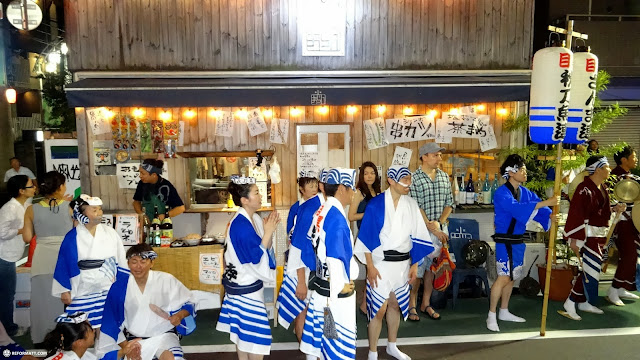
(454, 111)
(480, 107)
(242, 114)
(408, 110)
(433, 112)
(267, 113)
(324, 110)
(351, 109)
(189, 114)
(295, 111)
(381, 109)
(165, 115)
(503, 111)
(64, 49)
(138, 112)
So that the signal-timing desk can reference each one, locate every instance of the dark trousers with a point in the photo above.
(628, 242)
(592, 264)
(7, 294)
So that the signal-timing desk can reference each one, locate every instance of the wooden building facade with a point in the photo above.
(118, 38)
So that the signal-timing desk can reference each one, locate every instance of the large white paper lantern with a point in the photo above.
(583, 95)
(549, 102)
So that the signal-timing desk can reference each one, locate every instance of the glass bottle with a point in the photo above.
(486, 190)
(494, 186)
(166, 229)
(462, 193)
(470, 190)
(155, 227)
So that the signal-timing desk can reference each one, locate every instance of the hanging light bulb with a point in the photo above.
(433, 112)
(454, 111)
(189, 114)
(324, 110)
(242, 114)
(480, 107)
(381, 109)
(165, 116)
(138, 112)
(295, 111)
(503, 111)
(351, 109)
(267, 113)
(408, 110)
(11, 95)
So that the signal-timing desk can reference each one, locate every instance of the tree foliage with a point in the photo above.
(62, 117)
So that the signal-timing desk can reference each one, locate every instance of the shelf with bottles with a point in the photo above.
(158, 232)
(478, 194)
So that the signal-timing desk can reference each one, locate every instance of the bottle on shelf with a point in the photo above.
(456, 189)
(230, 202)
(470, 190)
(155, 228)
(486, 190)
(479, 197)
(462, 193)
(166, 229)
(494, 186)
(146, 230)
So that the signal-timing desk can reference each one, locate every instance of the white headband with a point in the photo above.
(596, 165)
(508, 169)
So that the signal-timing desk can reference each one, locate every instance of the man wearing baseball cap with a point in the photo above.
(431, 189)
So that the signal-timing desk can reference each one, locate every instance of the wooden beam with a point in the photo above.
(250, 153)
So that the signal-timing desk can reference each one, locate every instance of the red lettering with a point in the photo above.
(591, 65)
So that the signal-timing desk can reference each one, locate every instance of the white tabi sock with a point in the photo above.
(373, 355)
(585, 306)
(505, 315)
(623, 293)
(570, 308)
(492, 323)
(311, 357)
(612, 296)
(392, 349)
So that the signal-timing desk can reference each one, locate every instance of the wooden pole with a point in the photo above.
(552, 239)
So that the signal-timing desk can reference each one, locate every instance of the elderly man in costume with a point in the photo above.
(626, 237)
(585, 231)
(330, 324)
(301, 262)
(149, 306)
(514, 206)
(90, 257)
(393, 239)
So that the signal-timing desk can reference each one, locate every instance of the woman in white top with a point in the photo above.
(20, 188)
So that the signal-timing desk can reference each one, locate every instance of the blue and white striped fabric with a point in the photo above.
(341, 176)
(91, 304)
(323, 175)
(177, 352)
(376, 300)
(289, 306)
(397, 172)
(315, 343)
(244, 317)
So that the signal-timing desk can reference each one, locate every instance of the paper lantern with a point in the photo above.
(10, 94)
(549, 102)
(583, 95)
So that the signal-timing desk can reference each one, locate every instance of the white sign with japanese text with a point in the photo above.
(407, 129)
(210, 268)
(401, 156)
(279, 131)
(127, 228)
(323, 25)
(107, 219)
(374, 131)
(224, 124)
(98, 120)
(308, 161)
(467, 126)
(256, 123)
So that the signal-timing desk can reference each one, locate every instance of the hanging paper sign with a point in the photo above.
(549, 102)
(127, 228)
(374, 131)
(441, 138)
(107, 219)
(279, 131)
(464, 126)
(145, 136)
(129, 174)
(98, 121)
(308, 161)
(262, 188)
(210, 268)
(414, 128)
(224, 124)
(181, 136)
(401, 156)
(489, 141)
(257, 172)
(583, 96)
(256, 123)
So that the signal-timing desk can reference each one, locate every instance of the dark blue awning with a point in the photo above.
(622, 89)
(294, 91)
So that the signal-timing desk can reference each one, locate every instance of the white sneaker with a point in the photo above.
(570, 310)
(624, 294)
(586, 307)
(612, 297)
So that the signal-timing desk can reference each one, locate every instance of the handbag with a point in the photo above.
(442, 267)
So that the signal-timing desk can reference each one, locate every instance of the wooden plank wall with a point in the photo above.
(266, 35)
(200, 136)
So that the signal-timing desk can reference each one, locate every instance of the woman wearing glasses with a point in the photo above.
(20, 188)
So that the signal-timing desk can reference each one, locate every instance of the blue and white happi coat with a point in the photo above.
(507, 207)
(88, 287)
(129, 308)
(301, 255)
(244, 317)
(400, 228)
(333, 242)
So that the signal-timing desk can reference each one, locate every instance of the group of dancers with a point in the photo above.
(395, 238)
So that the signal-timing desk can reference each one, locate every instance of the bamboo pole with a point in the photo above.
(552, 238)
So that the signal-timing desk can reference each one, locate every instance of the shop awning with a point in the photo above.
(298, 88)
(622, 89)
